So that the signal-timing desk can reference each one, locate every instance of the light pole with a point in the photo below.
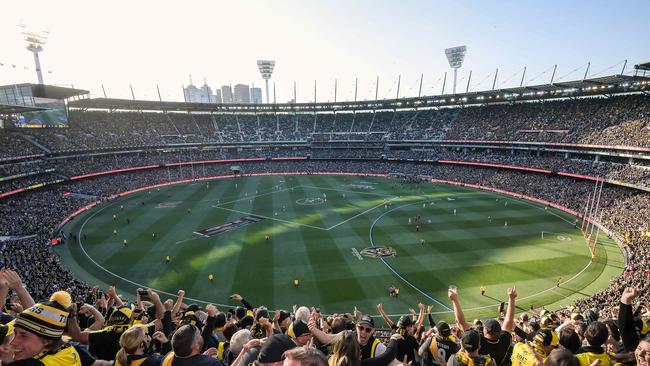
(266, 69)
(455, 56)
(35, 42)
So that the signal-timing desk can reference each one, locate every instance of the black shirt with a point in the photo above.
(498, 350)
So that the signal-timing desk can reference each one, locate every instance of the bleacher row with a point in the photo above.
(621, 120)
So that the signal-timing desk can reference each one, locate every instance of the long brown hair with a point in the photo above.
(346, 350)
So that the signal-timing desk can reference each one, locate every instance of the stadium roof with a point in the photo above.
(607, 85)
(11, 109)
(643, 66)
(49, 91)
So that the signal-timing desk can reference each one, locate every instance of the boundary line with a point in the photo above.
(270, 218)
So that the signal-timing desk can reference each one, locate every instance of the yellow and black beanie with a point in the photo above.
(120, 316)
(47, 319)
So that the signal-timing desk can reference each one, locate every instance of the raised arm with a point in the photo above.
(458, 311)
(324, 338)
(97, 316)
(179, 302)
(380, 309)
(73, 329)
(15, 283)
(421, 316)
(626, 319)
(509, 321)
(113, 295)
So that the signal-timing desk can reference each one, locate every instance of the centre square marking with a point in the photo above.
(274, 215)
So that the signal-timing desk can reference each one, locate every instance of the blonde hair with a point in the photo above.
(130, 340)
(346, 350)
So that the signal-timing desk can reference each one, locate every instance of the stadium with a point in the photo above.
(336, 206)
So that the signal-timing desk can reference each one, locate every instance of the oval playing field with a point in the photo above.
(255, 235)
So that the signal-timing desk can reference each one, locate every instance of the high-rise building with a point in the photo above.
(226, 94)
(217, 96)
(242, 94)
(206, 95)
(192, 94)
(256, 95)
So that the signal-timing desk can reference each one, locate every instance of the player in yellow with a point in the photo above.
(114, 231)
(482, 289)
(125, 242)
(422, 242)
(296, 282)
(167, 259)
(210, 277)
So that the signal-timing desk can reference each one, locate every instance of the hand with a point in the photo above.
(111, 293)
(512, 292)
(169, 304)
(160, 337)
(429, 308)
(421, 306)
(211, 310)
(412, 311)
(453, 295)
(396, 337)
(265, 323)
(12, 279)
(85, 309)
(357, 313)
(380, 308)
(181, 293)
(276, 316)
(629, 294)
(404, 362)
(212, 352)
(253, 343)
(236, 297)
(153, 295)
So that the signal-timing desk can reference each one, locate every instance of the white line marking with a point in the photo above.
(254, 196)
(364, 212)
(270, 218)
(343, 190)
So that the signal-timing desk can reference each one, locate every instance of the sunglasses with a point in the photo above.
(367, 330)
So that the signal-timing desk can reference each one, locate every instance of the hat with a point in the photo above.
(577, 316)
(120, 316)
(546, 322)
(193, 308)
(492, 326)
(297, 328)
(191, 318)
(283, 315)
(5, 331)
(546, 337)
(471, 340)
(47, 319)
(404, 321)
(366, 319)
(544, 312)
(274, 347)
(443, 329)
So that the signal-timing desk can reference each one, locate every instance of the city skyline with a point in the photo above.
(321, 42)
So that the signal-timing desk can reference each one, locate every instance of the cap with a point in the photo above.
(443, 329)
(404, 321)
(471, 340)
(366, 319)
(492, 326)
(546, 337)
(577, 316)
(297, 328)
(47, 319)
(274, 347)
(120, 316)
(283, 315)
(191, 318)
(546, 322)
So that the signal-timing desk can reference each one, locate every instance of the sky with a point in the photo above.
(147, 43)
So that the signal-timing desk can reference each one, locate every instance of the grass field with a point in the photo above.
(317, 226)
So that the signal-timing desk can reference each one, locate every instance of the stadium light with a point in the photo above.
(266, 69)
(35, 42)
(455, 56)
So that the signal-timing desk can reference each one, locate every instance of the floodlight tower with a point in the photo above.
(455, 56)
(266, 69)
(35, 42)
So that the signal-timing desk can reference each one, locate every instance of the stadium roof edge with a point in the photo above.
(606, 85)
(11, 109)
(50, 91)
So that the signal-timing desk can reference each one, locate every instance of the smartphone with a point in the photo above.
(144, 295)
(100, 294)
